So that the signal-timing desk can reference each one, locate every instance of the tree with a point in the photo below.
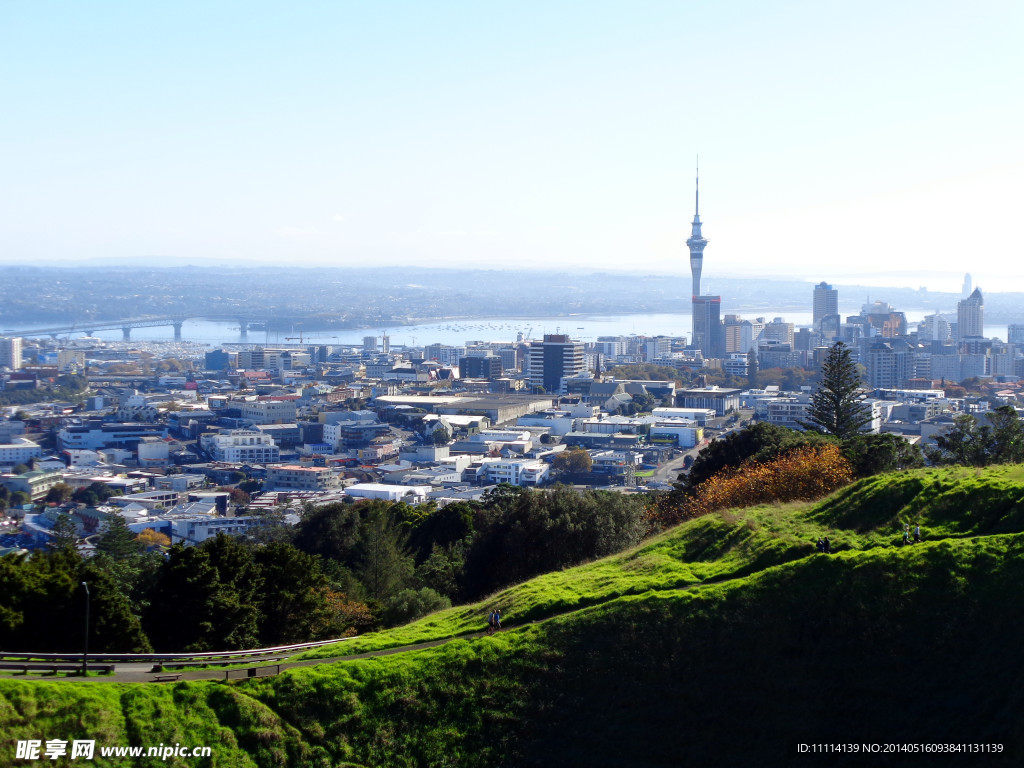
(20, 498)
(836, 406)
(1004, 436)
(118, 541)
(410, 604)
(441, 435)
(293, 602)
(59, 493)
(382, 563)
(207, 598)
(997, 440)
(151, 537)
(805, 474)
(873, 454)
(752, 369)
(758, 442)
(64, 532)
(575, 462)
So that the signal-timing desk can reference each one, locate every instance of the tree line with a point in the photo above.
(345, 568)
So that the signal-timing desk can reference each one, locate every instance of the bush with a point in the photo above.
(411, 604)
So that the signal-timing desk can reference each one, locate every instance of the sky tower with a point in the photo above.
(696, 241)
(696, 244)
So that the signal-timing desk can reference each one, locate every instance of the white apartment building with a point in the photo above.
(19, 451)
(410, 494)
(197, 529)
(247, 446)
(10, 352)
(524, 472)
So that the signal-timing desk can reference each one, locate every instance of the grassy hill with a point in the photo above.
(725, 641)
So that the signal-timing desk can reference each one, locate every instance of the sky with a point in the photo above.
(870, 142)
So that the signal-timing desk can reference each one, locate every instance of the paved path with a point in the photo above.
(142, 672)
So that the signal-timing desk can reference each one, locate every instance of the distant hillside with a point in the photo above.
(726, 641)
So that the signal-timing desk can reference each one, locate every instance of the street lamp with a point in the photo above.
(85, 643)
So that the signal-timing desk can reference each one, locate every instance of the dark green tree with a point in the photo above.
(383, 564)
(873, 454)
(206, 598)
(1004, 435)
(117, 540)
(752, 369)
(411, 604)
(59, 493)
(293, 600)
(837, 406)
(331, 531)
(997, 438)
(64, 532)
(441, 436)
(963, 443)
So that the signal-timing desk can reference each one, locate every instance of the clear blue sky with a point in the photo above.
(877, 141)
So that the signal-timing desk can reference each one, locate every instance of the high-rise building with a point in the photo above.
(933, 328)
(967, 285)
(553, 360)
(1015, 333)
(970, 316)
(10, 352)
(741, 335)
(708, 331)
(778, 330)
(480, 367)
(696, 243)
(825, 309)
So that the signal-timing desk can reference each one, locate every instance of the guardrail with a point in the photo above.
(161, 658)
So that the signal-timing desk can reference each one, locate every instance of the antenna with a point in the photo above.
(696, 207)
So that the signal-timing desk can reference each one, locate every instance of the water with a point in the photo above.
(457, 332)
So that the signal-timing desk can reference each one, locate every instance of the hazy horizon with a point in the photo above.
(837, 143)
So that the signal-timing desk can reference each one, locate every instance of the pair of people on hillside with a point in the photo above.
(494, 622)
(824, 546)
(906, 534)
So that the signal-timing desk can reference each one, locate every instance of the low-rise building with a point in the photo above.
(36, 483)
(302, 478)
(20, 450)
(238, 446)
(410, 494)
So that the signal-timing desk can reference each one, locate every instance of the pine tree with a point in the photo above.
(836, 406)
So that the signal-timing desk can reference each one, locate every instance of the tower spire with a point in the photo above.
(696, 242)
(696, 207)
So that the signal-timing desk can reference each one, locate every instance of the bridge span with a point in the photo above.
(175, 321)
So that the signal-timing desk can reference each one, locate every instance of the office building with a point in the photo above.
(970, 316)
(825, 310)
(10, 352)
(553, 360)
(708, 332)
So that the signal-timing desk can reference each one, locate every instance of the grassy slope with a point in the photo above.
(723, 642)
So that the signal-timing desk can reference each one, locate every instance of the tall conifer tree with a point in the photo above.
(836, 406)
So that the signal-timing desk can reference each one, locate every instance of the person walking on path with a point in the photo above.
(906, 534)
(917, 533)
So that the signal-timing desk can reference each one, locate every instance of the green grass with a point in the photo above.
(722, 642)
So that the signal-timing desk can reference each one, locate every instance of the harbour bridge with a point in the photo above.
(150, 321)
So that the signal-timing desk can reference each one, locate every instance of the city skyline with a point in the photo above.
(336, 134)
